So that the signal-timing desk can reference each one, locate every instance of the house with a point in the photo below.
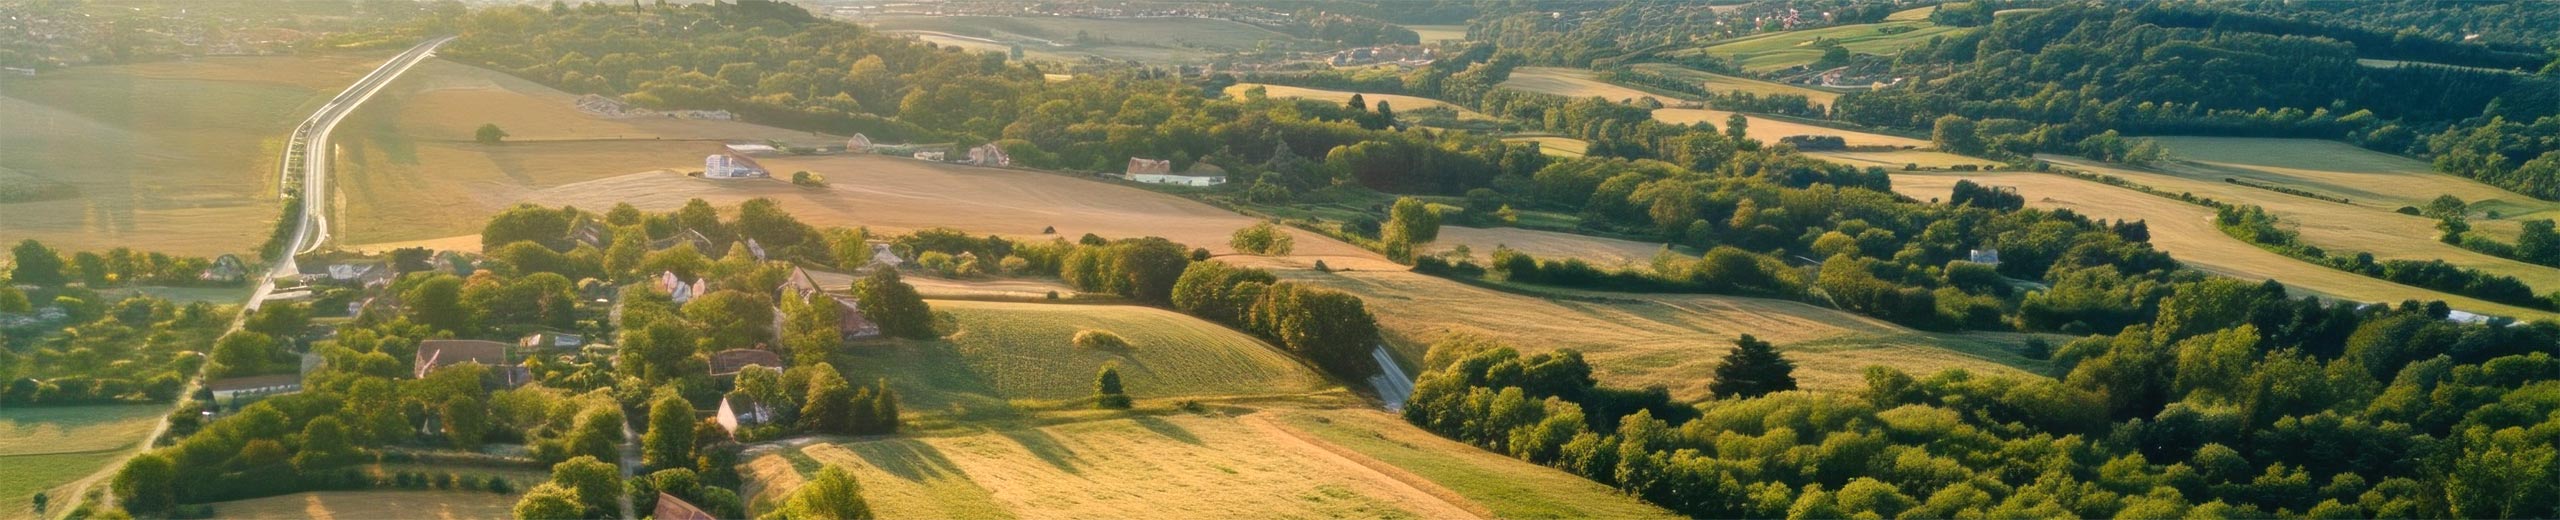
(1983, 256)
(756, 249)
(551, 340)
(1144, 166)
(229, 391)
(931, 155)
(439, 353)
(739, 412)
(1195, 180)
(350, 273)
(858, 144)
(701, 243)
(989, 155)
(798, 285)
(727, 363)
(731, 165)
(850, 322)
(678, 289)
(672, 508)
(226, 268)
(882, 254)
(587, 231)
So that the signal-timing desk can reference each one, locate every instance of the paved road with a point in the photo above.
(305, 168)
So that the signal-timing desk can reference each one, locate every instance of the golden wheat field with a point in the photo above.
(1397, 101)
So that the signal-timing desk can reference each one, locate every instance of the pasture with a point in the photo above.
(46, 448)
(1577, 83)
(1397, 101)
(1601, 251)
(1898, 158)
(1780, 50)
(1559, 146)
(359, 505)
(2187, 231)
(1507, 487)
(1021, 354)
(2373, 183)
(1720, 82)
(1768, 130)
(175, 156)
(1671, 340)
(1438, 33)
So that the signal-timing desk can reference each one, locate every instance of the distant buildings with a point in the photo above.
(731, 165)
(677, 288)
(989, 155)
(934, 155)
(850, 322)
(229, 391)
(226, 268)
(1160, 171)
(738, 411)
(439, 353)
(1983, 256)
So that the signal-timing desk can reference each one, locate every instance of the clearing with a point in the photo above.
(176, 157)
(1577, 83)
(2187, 231)
(1397, 101)
(1436, 33)
(1600, 251)
(45, 448)
(1671, 340)
(357, 505)
(1720, 82)
(1780, 50)
(1768, 130)
(2373, 183)
(411, 170)
(1559, 146)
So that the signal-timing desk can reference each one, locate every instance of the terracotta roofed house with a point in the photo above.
(672, 508)
(439, 353)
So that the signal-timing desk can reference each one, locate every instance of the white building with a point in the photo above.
(930, 156)
(989, 155)
(1160, 171)
(732, 166)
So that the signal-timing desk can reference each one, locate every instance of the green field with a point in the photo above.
(1007, 354)
(1578, 83)
(175, 156)
(1555, 145)
(1153, 40)
(45, 448)
(1498, 482)
(1774, 51)
(1437, 33)
(1720, 83)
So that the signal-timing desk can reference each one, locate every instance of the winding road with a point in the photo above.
(304, 171)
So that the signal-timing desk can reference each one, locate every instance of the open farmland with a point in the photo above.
(1576, 83)
(2187, 231)
(1897, 159)
(1435, 33)
(45, 448)
(411, 170)
(1507, 487)
(1559, 146)
(1601, 251)
(2365, 225)
(358, 505)
(2365, 177)
(177, 157)
(1151, 40)
(1672, 340)
(1720, 82)
(1779, 50)
(1768, 130)
(1397, 101)
(1006, 352)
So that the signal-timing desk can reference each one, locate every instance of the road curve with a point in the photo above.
(305, 168)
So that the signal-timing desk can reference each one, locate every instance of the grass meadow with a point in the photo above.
(1768, 130)
(1555, 145)
(1009, 355)
(359, 505)
(1780, 50)
(1720, 82)
(1577, 83)
(46, 448)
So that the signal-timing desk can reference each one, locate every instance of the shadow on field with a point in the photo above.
(908, 459)
(1046, 446)
(1166, 428)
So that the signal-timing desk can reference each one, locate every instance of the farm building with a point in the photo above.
(989, 155)
(588, 231)
(752, 148)
(1160, 171)
(732, 166)
(727, 363)
(229, 391)
(739, 411)
(551, 340)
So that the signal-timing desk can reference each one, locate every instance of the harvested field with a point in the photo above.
(1720, 82)
(1897, 159)
(1023, 352)
(1602, 251)
(360, 505)
(1773, 51)
(2187, 231)
(1554, 145)
(1399, 102)
(1576, 83)
(1506, 486)
(1671, 340)
(175, 157)
(1768, 130)
(1055, 38)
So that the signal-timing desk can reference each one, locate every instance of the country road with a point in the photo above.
(305, 168)
(298, 159)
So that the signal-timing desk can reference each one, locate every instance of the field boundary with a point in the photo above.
(1376, 467)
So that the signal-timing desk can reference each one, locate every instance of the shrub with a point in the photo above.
(1101, 340)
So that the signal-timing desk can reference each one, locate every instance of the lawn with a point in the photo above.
(45, 448)
(1577, 83)
(356, 505)
(175, 156)
(1671, 340)
(1768, 130)
(2187, 231)
(1780, 50)
(1021, 353)
(1720, 82)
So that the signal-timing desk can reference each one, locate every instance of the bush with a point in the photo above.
(1101, 340)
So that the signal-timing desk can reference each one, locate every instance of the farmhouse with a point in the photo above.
(1160, 171)
(587, 231)
(439, 353)
(727, 363)
(731, 165)
(850, 322)
(739, 412)
(989, 155)
(229, 391)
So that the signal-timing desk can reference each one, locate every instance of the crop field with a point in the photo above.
(1007, 352)
(45, 448)
(1576, 83)
(1555, 145)
(897, 195)
(1768, 130)
(410, 170)
(1672, 340)
(177, 156)
(1602, 251)
(1506, 486)
(1399, 102)
(1435, 33)
(1773, 51)
(359, 505)
(1897, 159)
(1720, 82)
(1152, 40)
(2187, 231)
(2373, 183)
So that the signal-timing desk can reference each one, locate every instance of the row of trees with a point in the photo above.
(2254, 225)
(32, 263)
